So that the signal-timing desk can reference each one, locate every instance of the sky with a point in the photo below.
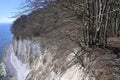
(8, 9)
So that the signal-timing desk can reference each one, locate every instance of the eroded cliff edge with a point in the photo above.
(36, 61)
(33, 60)
(45, 52)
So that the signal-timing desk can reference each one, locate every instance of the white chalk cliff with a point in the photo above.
(33, 60)
(41, 58)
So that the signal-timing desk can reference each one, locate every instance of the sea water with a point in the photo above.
(5, 37)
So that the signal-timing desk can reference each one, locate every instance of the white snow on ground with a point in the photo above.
(15, 66)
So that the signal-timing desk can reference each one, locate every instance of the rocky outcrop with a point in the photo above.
(32, 60)
(41, 59)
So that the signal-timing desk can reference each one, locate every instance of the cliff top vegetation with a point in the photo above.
(86, 22)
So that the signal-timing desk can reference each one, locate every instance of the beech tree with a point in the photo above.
(99, 19)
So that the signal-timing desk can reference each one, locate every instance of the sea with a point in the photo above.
(5, 37)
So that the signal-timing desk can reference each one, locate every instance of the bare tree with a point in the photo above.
(99, 18)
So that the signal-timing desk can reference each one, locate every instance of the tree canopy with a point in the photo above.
(87, 22)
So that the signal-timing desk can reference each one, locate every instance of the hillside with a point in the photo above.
(63, 41)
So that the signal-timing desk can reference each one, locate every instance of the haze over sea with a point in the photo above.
(5, 36)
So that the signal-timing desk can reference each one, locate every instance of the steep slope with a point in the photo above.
(46, 46)
(34, 60)
(40, 59)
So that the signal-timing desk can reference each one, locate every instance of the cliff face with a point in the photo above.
(53, 55)
(41, 59)
(32, 60)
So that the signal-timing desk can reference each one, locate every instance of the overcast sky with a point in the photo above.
(8, 8)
